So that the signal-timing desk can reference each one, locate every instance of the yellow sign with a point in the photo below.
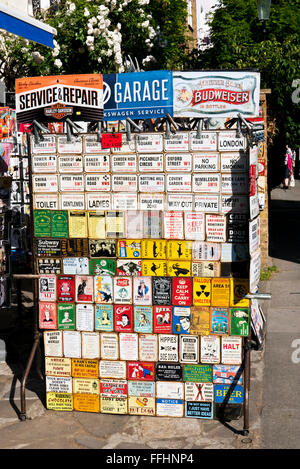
(113, 405)
(141, 405)
(220, 292)
(87, 402)
(179, 269)
(179, 250)
(201, 291)
(77, 224)
(85, 368)
(59, 401)
(86, 386)
(239, 287)
(154, 249)
(57, 366)
(129, 248)
(115, 224)
(200, 320)
(96, 225)
(154, 268)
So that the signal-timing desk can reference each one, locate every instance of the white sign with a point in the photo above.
(47, 288)
(75, 146)
(180, 202)
(189, 348)
(215, 228)
(169, 390)
(124, 201)
(210, 349)
(90, 343)
(177, 142)
(235, 183)
(178, 162)
(231, 350)
(151, 163)
(128, 346)
(148, 347)
(207, 203)
(168, 348)
(124, 182)
(45, 201)
(179, 183)
(72, 201)
(173, 225)
(148, 143)
(85, 317)
(97, 182)
(128, 146)
(47, 145)
(123, 163)
(98, 201)
(254, 235)
(206, 251)
(53, 343)
(234, 203)
(96, 163)
(70, 164)
(72, 344)
(44, 164)
(194, 223)
(151, 201)
(112, 369)
(91, 145)
(255, 266)
(58, 384)
(206, 142)
(151, 182)
(206, 182)
(234, 162)
(109, 346)
(44, 183)
(199, 392)
(229, 141)
(206, 162)
(71, 183)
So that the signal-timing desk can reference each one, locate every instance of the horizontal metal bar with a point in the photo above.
(258, 296)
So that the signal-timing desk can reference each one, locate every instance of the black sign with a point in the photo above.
(49, 266)
(235, 269)
(102, 248)
(75, 247)
(48, 247)
(203, 410)
(237, 228)
(162, 290)
(168, 372)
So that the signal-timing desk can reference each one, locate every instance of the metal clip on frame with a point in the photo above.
(37, 129)
(130, 122)
(70, 126)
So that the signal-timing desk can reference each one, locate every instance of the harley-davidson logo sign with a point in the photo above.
(58, 111)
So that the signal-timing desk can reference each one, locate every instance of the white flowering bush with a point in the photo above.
(97, 36)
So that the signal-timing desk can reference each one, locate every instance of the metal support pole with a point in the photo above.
(246, 385)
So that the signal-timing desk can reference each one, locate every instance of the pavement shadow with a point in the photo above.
(284, 230)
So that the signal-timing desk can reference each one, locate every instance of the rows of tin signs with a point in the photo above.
(137, 314)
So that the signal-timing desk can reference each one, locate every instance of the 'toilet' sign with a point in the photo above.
(52, 98)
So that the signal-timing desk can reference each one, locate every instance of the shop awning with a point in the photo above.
(16, 22)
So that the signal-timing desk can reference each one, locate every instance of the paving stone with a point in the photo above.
(101, 425)
(90, 442)
(128, 445)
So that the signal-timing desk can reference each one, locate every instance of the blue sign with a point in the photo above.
(200, 410)
(137, 95)
(234, 396)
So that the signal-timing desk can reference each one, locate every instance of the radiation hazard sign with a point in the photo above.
(201, 291)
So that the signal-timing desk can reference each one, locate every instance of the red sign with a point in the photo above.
(47, 315)
(182, 291)
(162, 319)
(252, 179)
(123, 318)
(219, 95)
(111, 140)
(66, 288)
(140, 371)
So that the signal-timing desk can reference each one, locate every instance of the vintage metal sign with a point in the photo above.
(47, 145)
(85, 317)
(142, 291)
(255, 267)
(66, 288)
(102, 267)
(124, 163)
(154, 249)
(90, 344)
(218, 93)
(66, 316)
(207, 203)
(143, 319)
(128, 346)
(151, 201)
(45, 201)
(113, 388)
(123, 318)
(85, 386)
(206, 162)
(179, 250)
(65, 147)
(178, 162)
(177, 142)
(206, 251)
(230, 141)
(162, 290)
(97, 182)
(151, 163)
(56, 97)
(227, 374)
(168, 371)
(47, 288)
(92, 145)
(141, 388)
(49, 266)
(141, 405)
(75, 247)
(215, 228)
(152, 224)
(181, 292)
(169, 390)
(209, 183)
(231, 350)
(197, 391)
(59, 401)
(129, 267)
(71, 201)
(173, 225)
(47, 315)
(75, 265)
(112, 369)
(201, 291)
(149, 143)
(85, 368)
(70, 164)
(201, 410)
(129, 248)
(124, 201)
(96, 163)
(238, 289)
(194, 223)
(151, 183)
(169, 407)
(210, 349)
(168, 348)
(206, 269)
(122, 290)
(189, 349)
(236, 162)
(225, 392)
(98, 201)
(140, 95)
(140, 371)
(58, 384)
(53, 343)
(181, 319)
(206, 142)
(240, 321)
(72, 344)
(44, 164)
(154, 268)
(58, 366)
(84, 285)
(220, 292)
(219, 320)
(200, 320)
(148, 349)
(102, 248)
(233, 204)
(104, 317)
(77, 224)
(45, 183)
(86, 402)
(198, 373)
(162, 319)
(113, 405)
(235, 183)
(180, 202)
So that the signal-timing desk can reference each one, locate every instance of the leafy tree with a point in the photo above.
(98, 36)
(238, 42)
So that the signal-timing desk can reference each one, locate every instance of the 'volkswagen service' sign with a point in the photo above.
(140, 95)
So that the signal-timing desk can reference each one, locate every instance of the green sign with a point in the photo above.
(66, 316)
(239, 321)
(59, 224)
(198, 373)
(42, 223)
(102, 267)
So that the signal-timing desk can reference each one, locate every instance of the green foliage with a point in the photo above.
(238, 42)
(267, 272)
(97, 36)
